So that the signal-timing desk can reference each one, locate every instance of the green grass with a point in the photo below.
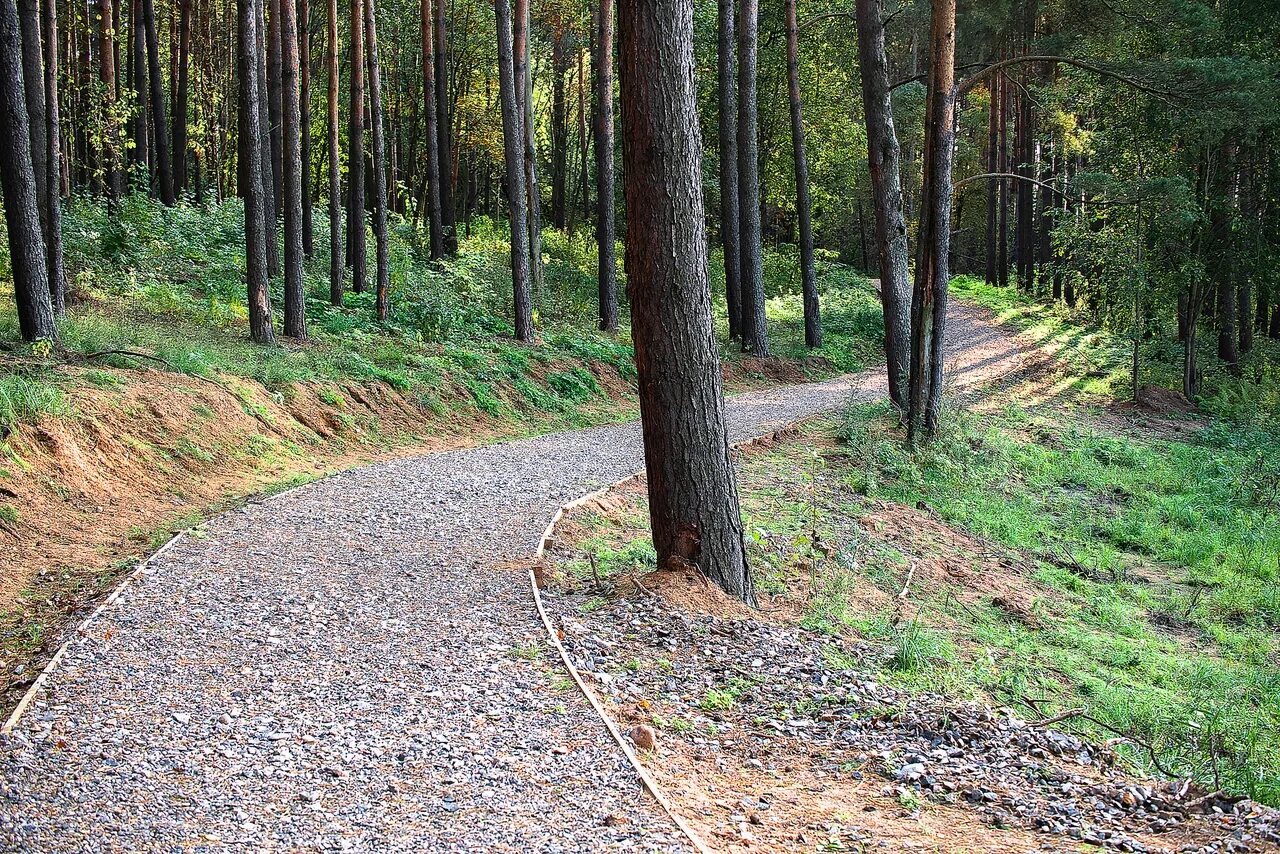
(25, 399)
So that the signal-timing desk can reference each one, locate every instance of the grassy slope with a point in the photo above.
(1071, 554)
(103, 457)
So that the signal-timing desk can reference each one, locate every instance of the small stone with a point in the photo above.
(644, 737)
(182, 718)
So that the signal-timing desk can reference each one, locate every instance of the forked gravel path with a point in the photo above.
(349, 667)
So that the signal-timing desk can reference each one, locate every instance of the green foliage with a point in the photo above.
(25, 400)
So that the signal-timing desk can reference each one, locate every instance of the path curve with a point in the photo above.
(355, 666)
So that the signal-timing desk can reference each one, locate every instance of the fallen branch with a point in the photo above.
(902, 595)
(1058, 718)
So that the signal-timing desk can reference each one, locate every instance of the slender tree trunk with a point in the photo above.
(379, 163)
(929, 299)
(110, 130)
(142, 156)
(444, 143)
(693, 499)
(304, 114)
(993, 166)
(53, 154)
(292, 167)
(269, 172)
(584, 141)
(18, 180)
(755, 334)
(1002, 238)
(255, 221)
(183, 56)
(355, 158)
(727, 92)
(559, 131)
(524, 91)
(336, 265)
(884, 159)
(275, 100)
(808, 275)
(513, 149)
(606, 272)
(159, 125)
(431, 187)
(1244, 307)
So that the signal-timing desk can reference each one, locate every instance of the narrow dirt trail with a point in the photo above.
(355, 665)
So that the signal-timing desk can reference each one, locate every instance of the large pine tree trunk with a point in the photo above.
(727, 97)
(52, 188)
(606, 270)
(255, 221)
(884, 159)
(808, 275)
(18, 180)
(513, 151)
(430, 109)
(159, 125)
(110, 131)
(444, 144)
(336, 265)
(292, 168)
(929, 298)
(33, 86)
(304, 113)
(355, 148)
(183, 57)
(755, 335)
(693, 499)
(378, 141)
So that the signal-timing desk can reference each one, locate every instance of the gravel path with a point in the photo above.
(350, 666)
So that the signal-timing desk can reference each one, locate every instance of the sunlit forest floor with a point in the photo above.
(1057, 551)
(156, 410)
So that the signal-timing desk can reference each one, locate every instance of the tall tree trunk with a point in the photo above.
(53, 154)
(275, 101)
(355, 157)
(808, 275)
(183, 56)
(255, 221)
(606, 272)
(524, 91)
(379, 145)
(336, 265)
(292, 168)
(755, 334)
(269, 172)
(993, 166)
(18, 180)
(929, 298)
(110, 130)
(431, 187)
(304, 113)
(159, 126)
(141, 156)
(33, 87)
(884, 159)
(444, 144)
(584, 141)
(1002, 237)
(559, 130)
(693, 499)
(513, 151)
(727, 95)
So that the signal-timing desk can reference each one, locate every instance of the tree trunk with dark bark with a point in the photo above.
(336, 265)
(884, 159)
(183, 57)
(141, 156)
(304, 114)
(808, 275)
(606, 271)
(355, 158)
(524, 91)
(444, 133)
(513, 150)
(110, 131)
(255, 221)
(727, 138)
(993, 166)
(929, 298)
(693, 498)
(52, 188)
(269, 171)
(755, 335)
(275, 100)
(18, 180)
(33, 87)
(292, 167)
(159, 125)
(559, 131)
(432, 184)
(383, 266)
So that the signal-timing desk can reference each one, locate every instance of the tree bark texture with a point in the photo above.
(295, 298)
(435, 222)
(52, 188)
(513, 151)
(355, 148)
(444, 134)
(606, 272)
(159, 125)
(378, 141)
(727, 138)
(755, 335)
(255, 221)
(304, 114)
(693, 499)
(336, 266)
(181, 86)
(808, 274)
(524, 91)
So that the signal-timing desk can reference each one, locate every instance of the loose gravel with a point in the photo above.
(355, 665)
